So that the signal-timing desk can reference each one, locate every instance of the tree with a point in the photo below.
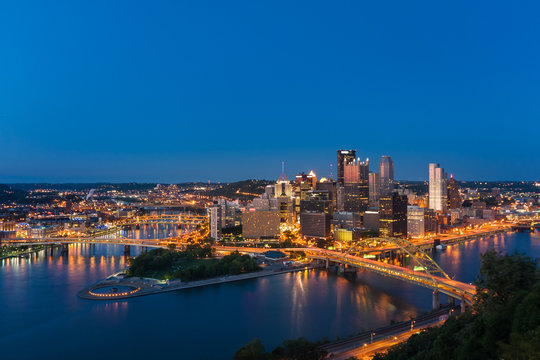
(502, 277)
(301, 349)
(503, 324)
(253, 350)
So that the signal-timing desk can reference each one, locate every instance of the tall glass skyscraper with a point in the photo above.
(386, 174)
(438, 197)
(344, 157)
(356, 185)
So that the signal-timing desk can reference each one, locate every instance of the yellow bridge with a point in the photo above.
(428, 275)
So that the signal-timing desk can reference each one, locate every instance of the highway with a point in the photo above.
(362, 346)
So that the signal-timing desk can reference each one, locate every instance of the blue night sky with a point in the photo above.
(172, 91)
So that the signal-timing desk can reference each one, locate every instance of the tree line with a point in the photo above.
(504, 322)
(195, 262)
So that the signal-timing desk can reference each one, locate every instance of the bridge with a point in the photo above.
(426, 273)
(185, 219)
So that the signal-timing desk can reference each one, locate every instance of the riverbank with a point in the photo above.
(25, 252)
(128, 287)
(458, 239)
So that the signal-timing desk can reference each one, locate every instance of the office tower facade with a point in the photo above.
(261, 224)
(415, 222)
(374, 189)
(346, 220)
(315, 224)
(431, 222)
(454, 199)
(332, 188)
(356, 186)
(393, 215)
(371, 218)
(386, 175)
(302, 184)
(437, 188)
(317, 200)
(344, 157)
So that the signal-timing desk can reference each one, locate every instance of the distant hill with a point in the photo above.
(9, 194)
(246, 189)
(85, 186)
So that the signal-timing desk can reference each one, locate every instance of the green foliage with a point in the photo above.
(503, 324)
(503, 277)
(153, 261)
(193, 263)
(253, 350)
(232, 264)
(299, 349)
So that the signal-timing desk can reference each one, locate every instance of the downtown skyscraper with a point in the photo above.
(438, 197)
(344, 157)
(386, 175)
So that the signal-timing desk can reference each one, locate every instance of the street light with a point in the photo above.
(412, 324)
(372, 337)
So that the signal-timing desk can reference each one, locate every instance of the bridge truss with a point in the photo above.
(418, 255)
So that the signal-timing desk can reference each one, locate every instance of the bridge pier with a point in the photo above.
(144, 249)
(127, 250)
(327, 264)
(463, 305)
(436, 300)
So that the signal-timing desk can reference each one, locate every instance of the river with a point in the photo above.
(42, 318)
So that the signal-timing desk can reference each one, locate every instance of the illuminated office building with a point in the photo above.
(393, 215)
(356, 186)
(437, 188)
(315, 225)
(261, 224)
(344, 157)
(386, 175)
(454, 199)
(374, 189)
(415, 222)
(317, 200)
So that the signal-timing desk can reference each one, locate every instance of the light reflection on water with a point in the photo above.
(38, 302)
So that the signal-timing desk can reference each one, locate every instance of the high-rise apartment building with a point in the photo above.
(437, 188)
(386, 175)
(216, 215)
(344, 157)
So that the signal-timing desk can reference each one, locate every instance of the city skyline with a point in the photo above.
(275, 180)
(189, 92)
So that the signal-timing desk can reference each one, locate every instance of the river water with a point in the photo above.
(41, 317)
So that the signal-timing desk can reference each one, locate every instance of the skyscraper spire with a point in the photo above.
(283, 177)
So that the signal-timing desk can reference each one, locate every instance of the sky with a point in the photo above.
(174, 91)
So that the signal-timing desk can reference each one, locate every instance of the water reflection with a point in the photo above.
(38, 302)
